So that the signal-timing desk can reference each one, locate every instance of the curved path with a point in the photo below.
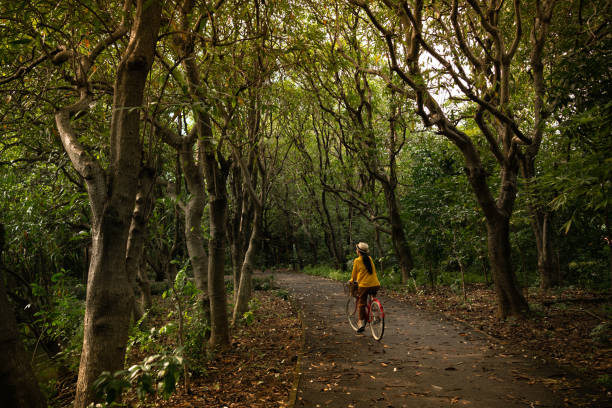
(423, 360)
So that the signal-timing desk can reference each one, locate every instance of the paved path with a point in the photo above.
(423, 360)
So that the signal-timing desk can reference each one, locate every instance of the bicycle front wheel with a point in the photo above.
(377, 320)
(352, 313)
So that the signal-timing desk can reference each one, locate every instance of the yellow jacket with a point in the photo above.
(361, 275)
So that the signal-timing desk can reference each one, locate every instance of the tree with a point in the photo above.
(112, 192)
(475, 62)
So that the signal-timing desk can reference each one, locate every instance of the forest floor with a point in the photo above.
(570, 328)
(438, 350)
(258, 370)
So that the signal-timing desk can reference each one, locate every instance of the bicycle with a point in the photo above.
(375, 314)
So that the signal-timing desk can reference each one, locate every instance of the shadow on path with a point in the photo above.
(422, 361)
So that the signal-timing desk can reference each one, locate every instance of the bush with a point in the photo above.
(156, 374)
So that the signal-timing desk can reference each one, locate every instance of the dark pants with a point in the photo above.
(362, 299)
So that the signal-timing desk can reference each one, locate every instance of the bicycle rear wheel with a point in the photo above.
(352, 313)
(377, 320)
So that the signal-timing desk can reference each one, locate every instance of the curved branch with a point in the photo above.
(462, 44)
(518, 33)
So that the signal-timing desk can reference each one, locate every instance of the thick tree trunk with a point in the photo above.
(18, 385)
(112, 196)
(219, 328)
(510, 298)
(497, 214)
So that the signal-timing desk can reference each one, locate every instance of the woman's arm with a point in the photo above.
(354, 273)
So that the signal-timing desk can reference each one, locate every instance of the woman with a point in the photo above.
(364, 273)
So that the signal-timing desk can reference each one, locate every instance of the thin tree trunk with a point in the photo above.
(135, 245)
(196, 245)
(194, 211)
(18, 384)
(246, 285)
(330, 232)
(397, 233)
(547, 267)
(608, 240)
(234, 230)
(216, 171)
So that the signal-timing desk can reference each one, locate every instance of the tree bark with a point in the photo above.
(215, 171)
(397, 233)
(139, 280)
(331, 238)
(216, 178)
(18, 384)
(246, 286)
(497, 215)
(547, 265)
(112, 195)
(510, 299)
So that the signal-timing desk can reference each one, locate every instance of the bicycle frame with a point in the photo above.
(372, 299)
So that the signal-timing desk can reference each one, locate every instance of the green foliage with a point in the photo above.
(158, 373)
(281, 293)
(248, 317)
(61, 320)
(145, 340)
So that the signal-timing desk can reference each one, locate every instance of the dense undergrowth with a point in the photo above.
(168, 362)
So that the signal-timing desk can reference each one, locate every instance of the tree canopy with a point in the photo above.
(464, 140)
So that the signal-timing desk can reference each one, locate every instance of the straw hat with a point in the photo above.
(363, 247)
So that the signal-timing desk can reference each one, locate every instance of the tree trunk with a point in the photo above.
(135, 244)
(547, 267)
(194, 210)
(112, 195)
(497, 214)
(234, 230)
(246, 286)
(397, 233)
(330, 234)
(510, 298)
(196, 247)
(18, 385)
(608, 240)
(541, 226)
(219, 328)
